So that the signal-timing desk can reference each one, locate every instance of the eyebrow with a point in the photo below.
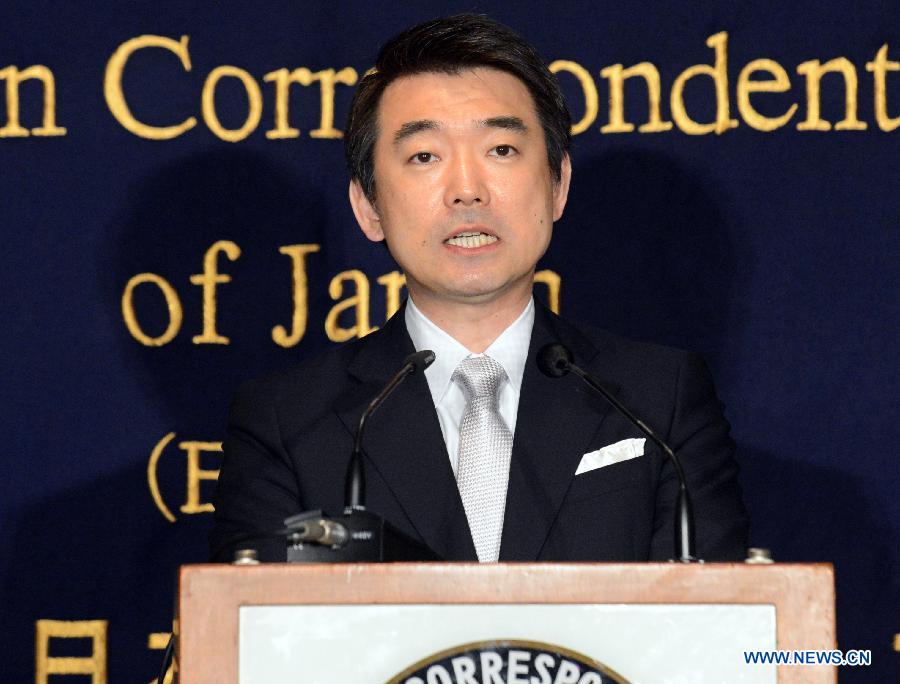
(510, 123)
(411, 128)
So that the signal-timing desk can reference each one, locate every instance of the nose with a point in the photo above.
(466, 183)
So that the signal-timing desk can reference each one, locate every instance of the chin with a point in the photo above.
(473, 287)
(481, 292)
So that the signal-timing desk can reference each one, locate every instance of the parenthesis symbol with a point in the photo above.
(151, 476)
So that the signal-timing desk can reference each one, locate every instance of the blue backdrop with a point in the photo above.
(772, 252)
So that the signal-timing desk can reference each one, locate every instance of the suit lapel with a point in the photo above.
(557, 420)
(404, 444)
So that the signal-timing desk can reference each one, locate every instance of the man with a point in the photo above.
(457, 146)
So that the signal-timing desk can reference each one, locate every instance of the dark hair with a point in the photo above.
(450, 45)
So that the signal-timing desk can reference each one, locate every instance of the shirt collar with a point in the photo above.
(510, 349)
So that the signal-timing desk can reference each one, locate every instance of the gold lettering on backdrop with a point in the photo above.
(393, 283)
(879, 67)
(158, 641)
(552, 280)
(359, 302)
(779, 84)
(616, 76)
(208, 280)
(115, 97)
(46, 665)
(813, 71)
(152, 480)
(208, 104)
(283, 79)
(297, 253)
(14, 78)
(173, 303)
(719, 74)
(196, 474)
(327, 79)
(588, 89)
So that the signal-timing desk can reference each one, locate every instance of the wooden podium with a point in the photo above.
(216, 605)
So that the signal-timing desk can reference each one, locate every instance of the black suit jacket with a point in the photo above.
(290, 436)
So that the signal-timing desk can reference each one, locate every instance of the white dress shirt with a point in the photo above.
(510, 350)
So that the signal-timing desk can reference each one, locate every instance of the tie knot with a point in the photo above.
(479, 376)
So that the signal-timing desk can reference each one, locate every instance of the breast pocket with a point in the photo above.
(631, 473)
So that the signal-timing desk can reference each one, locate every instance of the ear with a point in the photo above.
(561, 189)
(365, 212)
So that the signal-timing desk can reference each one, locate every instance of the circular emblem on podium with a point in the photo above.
(506, 661)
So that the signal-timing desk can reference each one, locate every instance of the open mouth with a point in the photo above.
(471, 240)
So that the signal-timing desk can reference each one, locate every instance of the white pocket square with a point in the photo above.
(613, 453)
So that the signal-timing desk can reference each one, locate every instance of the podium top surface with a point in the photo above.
(271, 583)
(211, 596)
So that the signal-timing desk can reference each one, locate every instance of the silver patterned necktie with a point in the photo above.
(485, 448)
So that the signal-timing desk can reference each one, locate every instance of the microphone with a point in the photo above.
(358, 535)
(555, 361)
(355, 479)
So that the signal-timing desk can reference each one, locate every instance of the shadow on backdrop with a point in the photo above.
(102, 550)
(649, 252)
(175, 216)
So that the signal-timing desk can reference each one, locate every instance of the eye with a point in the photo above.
(504, 151)
(422, 158)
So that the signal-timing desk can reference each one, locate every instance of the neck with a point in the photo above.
(474, 324)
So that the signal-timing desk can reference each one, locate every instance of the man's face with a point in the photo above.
(465, 198)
